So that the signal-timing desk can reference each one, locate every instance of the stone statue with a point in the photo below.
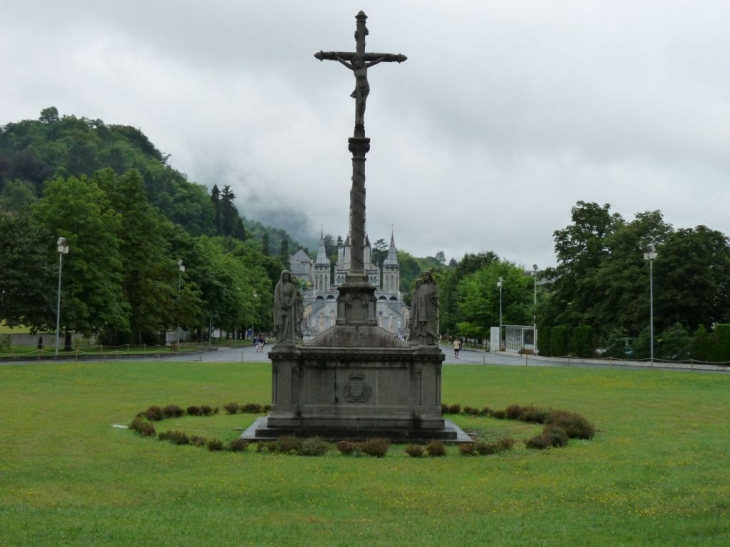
(362, 89)
(413, 319)
(425, 312)
(288, 310)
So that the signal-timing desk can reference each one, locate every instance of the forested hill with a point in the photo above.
(35, 151)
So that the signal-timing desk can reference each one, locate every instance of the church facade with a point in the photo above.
(320, 297)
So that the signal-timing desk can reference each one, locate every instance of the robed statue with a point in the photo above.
(288, 310)
(424, 321)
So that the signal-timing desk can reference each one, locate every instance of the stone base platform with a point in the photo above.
(356, 381)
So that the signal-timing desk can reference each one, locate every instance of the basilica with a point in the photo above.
(320, 294)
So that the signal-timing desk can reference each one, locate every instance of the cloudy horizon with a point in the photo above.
(504, 116)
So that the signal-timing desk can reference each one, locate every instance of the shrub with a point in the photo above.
(375, 447)
(172, 411)
(534, 415)
(513, 412)
(471, 411)
(483, 448)
(214, 445)
(251, 408)
(543, 341)
(559, 341)
(538, 442)
(206, 410)
(142, 428)
(154, 414)
(445, 408)
(414, 450)
(262, 446)
(284, 445)
(582, 343)
(436, 449)
(313, 446)
(466, 449)
(231, 408)
(505, 443)
(499, 414)
(486, 411)
(347, 447)
(557, 435)
(455, 409)
(196, 440)
(575, 425)
(239, 445)
(175, 437)
(266, 408)
(194, 411)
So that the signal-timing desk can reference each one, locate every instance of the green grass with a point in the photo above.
(657, 472)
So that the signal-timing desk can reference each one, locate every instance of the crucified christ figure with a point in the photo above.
(359, 62)
(362, 89)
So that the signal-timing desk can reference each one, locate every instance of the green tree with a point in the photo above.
(92, 298)
(17, 195)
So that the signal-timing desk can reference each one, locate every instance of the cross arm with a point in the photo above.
(348, 55)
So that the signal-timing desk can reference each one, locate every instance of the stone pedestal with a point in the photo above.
(356, 382)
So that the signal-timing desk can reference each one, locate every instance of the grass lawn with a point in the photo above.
(657, 472)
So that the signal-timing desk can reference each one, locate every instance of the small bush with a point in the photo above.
(239, 445)
(557, 435)
(455, 409)
(214, 445)
(499, 414)
(467, 449)
(534, 415)
(266, 408)
(575, 425)
(172, 411)
(194, 411)
(471, 411)
(313, 446)
(414, 450)
(154, 414)
(231, 408)
(484, 448)
(539, 442)
(445, 409)
(284, 445)
(196, 440)
(252, 408)
(436, 449)
(513, 412)
(505, 444)
(142, 428)
(206, 410)
(486, 411)
(262, 447)
(376, 447)
(347, 447)
(178, 437)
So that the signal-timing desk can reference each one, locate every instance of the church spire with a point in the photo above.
(321, 252)
(392, 251)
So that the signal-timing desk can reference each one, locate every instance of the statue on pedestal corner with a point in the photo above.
(288, 310)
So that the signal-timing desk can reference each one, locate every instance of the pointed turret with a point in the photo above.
(321, 251)
(392, 252)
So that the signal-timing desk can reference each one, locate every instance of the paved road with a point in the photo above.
(248, 354)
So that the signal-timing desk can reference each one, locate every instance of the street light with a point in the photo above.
(650, 255)
(62, 250)
(499, 284)
(534, 310)
(180, 270)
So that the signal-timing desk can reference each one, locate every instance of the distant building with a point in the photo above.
(320, 296)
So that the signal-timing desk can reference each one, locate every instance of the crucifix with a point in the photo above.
(358, 62)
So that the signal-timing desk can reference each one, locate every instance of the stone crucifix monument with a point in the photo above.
(357, 380)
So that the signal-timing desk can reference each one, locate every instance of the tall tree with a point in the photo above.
(92, 297)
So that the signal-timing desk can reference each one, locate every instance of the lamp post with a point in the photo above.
(62, 250)
(180, 270)
(650, 255)
(499, 284)
(534, 310)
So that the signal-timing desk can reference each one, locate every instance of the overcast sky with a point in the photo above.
(504, 116)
